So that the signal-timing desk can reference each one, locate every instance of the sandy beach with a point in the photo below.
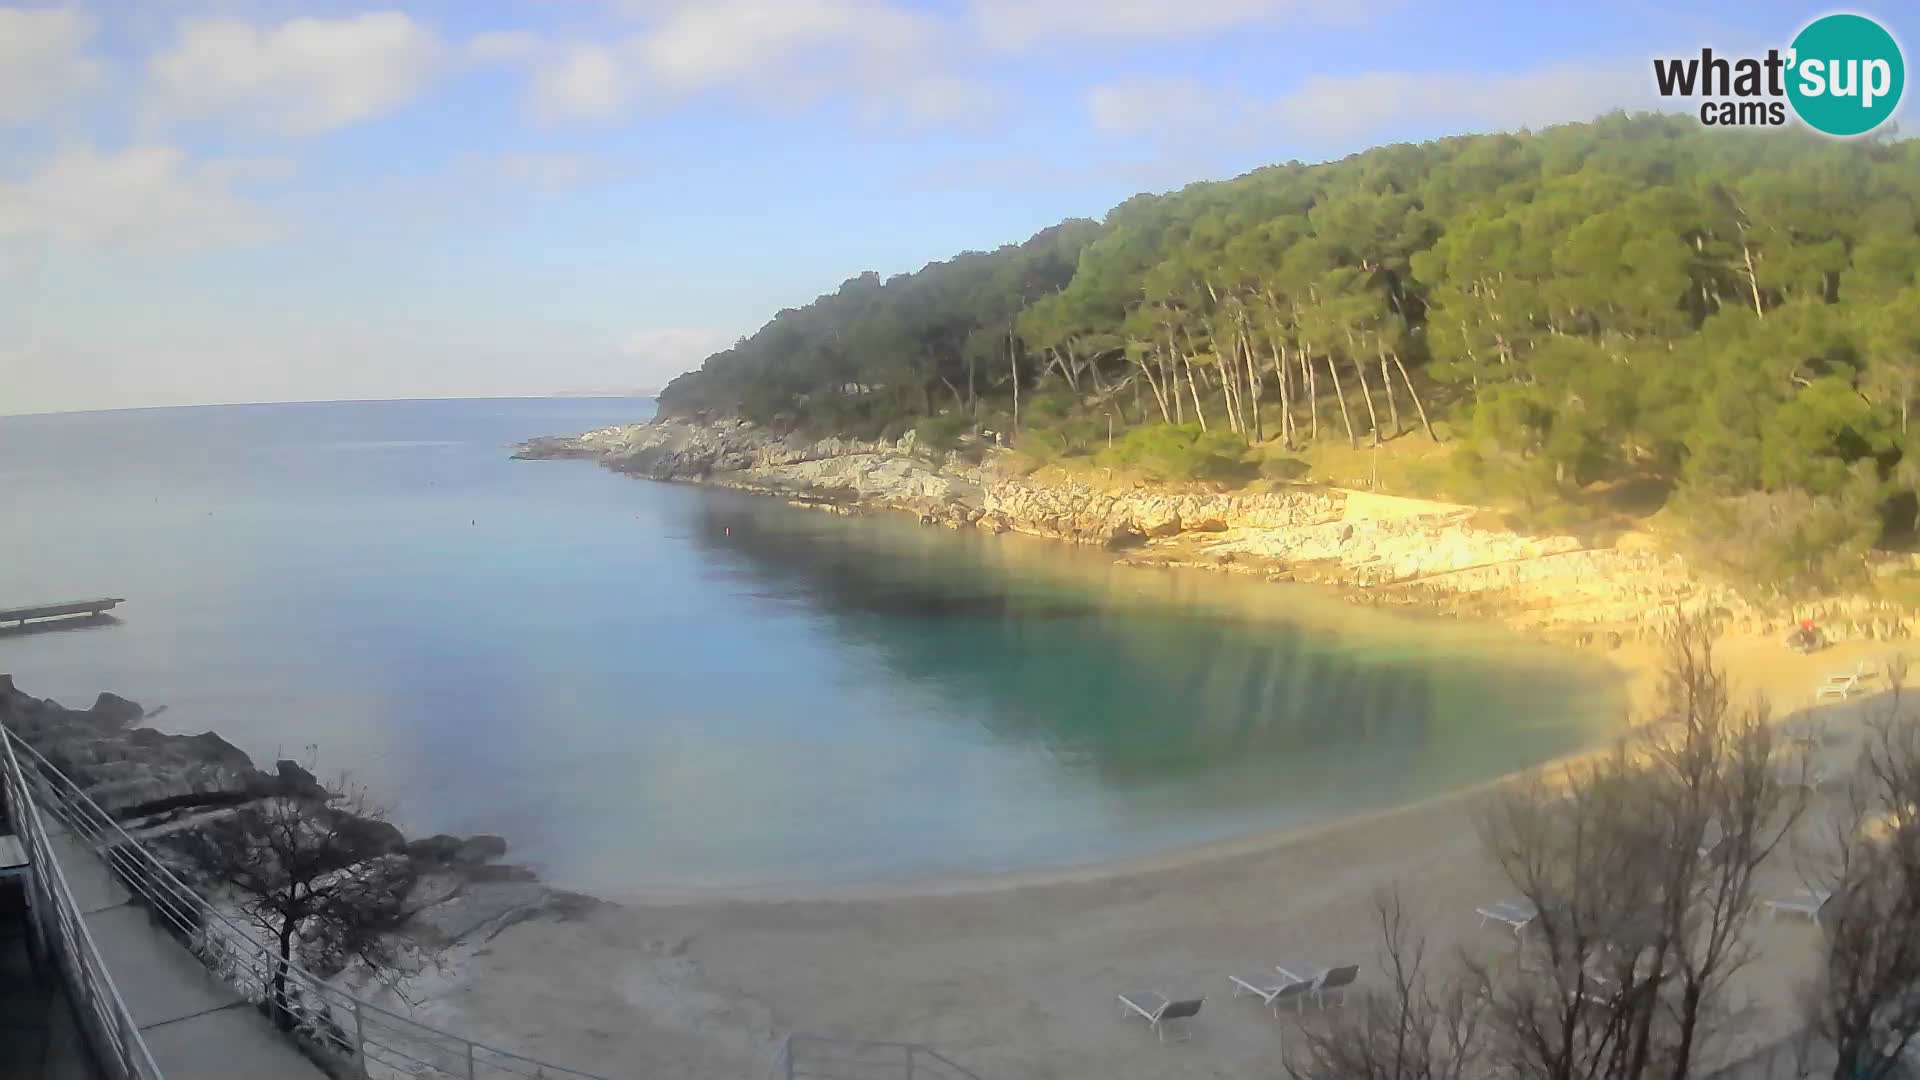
(1018, 977)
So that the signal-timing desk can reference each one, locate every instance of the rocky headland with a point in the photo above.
(159, 786)
(1376, 549)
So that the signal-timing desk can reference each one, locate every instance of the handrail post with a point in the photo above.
(470, 1075)
(360, 1040)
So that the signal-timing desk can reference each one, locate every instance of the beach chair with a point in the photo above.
(1711, 838)
(1806, 902)
(1838, 686)
(1160, 1012)
(1326, 981)
(1515, 914)
(1294, 990)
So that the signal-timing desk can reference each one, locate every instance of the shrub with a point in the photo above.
(1788, 538)
(1280, 467)
(1180, 452)
(941, 433)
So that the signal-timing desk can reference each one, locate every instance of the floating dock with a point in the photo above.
(21, 616)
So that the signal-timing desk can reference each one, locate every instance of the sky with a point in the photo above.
(211, 201)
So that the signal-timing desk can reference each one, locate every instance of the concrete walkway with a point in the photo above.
(195, 1025)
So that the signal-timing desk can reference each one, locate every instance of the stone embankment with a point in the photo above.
(1377, 549)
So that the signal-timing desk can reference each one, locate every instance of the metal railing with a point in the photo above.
(361, 1038)
(61, 933)
(813, 1057)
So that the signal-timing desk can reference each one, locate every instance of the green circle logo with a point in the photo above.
(1846, 76)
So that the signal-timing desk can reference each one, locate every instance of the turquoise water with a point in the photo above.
(647, 685)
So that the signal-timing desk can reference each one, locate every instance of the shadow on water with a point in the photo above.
(54, 626)
(1133, 687)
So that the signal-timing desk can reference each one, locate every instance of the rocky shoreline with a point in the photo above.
(157, 785)
(1376, 550)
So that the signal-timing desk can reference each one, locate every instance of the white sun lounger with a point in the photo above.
(1806, 902)
(1513, 913)
(1161, 1013)
(1840, 686)
(1294, 990)
(1325, 981)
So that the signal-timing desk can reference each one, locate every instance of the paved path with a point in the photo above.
(195, 1025)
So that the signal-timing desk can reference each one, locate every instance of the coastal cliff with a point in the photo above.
(1377, 549)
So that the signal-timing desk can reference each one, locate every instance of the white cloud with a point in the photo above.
(1151, 105)
(1332, 106)
(939, 99)
(583, 82)
(141, 200)
(42, 60)
(1366, 107)
(732, 41)
(1018, 24)
(502, 46)
(299, 77)
(890, 60)
(544, 172)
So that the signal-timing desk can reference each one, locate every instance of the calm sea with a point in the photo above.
(645, 685)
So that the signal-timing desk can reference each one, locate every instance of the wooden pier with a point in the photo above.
(21, 616)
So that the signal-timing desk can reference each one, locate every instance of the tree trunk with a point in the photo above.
(1170, 375)
(1013, 360)
(1345, 417)
(1159, 397)
(973, 399)
(1253, 386)
(1689, 1023)
(1360, 370)
(1753, 279)
(1313, 390)
(1386, 383)
(1073, 380)
(1286, 401)
(1415, 395)
(1199, 413)
(282, 1015)
(1229, 388)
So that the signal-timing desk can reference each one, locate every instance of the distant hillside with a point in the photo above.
(649, 393)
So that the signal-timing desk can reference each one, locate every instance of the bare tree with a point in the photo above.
(1641, 867)
(1417, 1030)
(1866, 1001)
(325, 874)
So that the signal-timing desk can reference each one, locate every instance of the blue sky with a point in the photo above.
(238, 201)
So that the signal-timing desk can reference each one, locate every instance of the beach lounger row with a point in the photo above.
(1168, 1018)
(1318, 986)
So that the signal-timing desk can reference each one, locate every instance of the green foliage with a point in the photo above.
(1787, 539)
(941, 433)
(1286, 469)
(1179, 452)
(1636, 299)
